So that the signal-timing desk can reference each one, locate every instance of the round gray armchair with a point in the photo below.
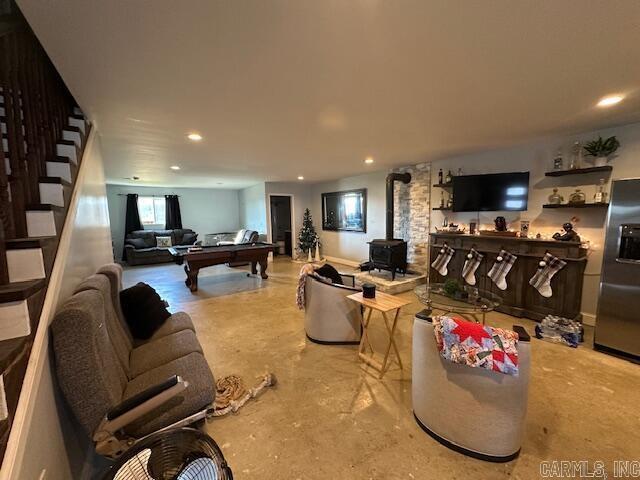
(330, 317)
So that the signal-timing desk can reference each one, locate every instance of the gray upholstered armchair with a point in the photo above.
(331, 318)
(474, 411)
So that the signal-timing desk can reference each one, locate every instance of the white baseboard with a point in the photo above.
(589, 319)
(342, 261)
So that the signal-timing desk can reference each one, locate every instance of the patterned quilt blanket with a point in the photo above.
(476, 345)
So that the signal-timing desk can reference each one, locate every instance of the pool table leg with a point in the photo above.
(263, 268)
(254, 267)
(192, 278)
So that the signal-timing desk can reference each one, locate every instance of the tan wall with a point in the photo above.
(352, 246)
(45, 438)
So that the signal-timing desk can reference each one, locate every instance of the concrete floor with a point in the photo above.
(330, 417)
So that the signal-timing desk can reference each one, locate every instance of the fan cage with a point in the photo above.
(177, 454)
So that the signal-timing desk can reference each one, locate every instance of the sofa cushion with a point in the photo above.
(177, 322)
(162, 350)
(199, 394)
(189, 239)
(137, 243)
(147, 235)
(178, 233)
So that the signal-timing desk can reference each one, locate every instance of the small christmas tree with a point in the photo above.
(307, 237)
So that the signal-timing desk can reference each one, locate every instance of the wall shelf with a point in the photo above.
(444, 209)
(577, 205)
(578, 171)
(443, 185)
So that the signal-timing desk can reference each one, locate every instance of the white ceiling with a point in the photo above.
(281, 88)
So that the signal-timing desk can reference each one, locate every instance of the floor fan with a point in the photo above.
(177, 454)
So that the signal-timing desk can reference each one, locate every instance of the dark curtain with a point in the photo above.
(172, 216)
(132, 218)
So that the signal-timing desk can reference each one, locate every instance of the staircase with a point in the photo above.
(43, 138)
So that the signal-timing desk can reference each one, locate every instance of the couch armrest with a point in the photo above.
(523, 336)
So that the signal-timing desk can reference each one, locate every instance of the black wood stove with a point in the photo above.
(389, 253)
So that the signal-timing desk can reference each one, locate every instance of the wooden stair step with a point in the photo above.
(44, 219)
(41, 249)
(43, 207)
(54, 180)
(68, 148)
(18, 291)
(73, 134)
(34, 242)
(63, 167)
(14, 358)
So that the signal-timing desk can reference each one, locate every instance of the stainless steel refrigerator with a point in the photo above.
(618, 320)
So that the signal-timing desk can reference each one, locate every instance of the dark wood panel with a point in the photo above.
(520, 298)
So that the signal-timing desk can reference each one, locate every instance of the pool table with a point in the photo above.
(254, 253)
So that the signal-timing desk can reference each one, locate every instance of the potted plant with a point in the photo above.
(602, 149)
(453, 289)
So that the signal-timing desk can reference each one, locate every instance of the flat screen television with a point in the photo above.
(491, 193)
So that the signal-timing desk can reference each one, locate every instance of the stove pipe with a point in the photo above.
(391, 179)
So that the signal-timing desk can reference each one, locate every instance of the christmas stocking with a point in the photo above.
(501, 269)
(471, 265)
(548, 267)
(440, 263)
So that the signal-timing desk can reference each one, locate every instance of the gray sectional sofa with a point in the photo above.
(141, 247)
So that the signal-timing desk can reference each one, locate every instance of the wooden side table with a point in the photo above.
(385, 304)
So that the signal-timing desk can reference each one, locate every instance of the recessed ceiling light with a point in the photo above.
(194, 137)
(174, 167)
(300, 177)
(368, 160)
(610, 100)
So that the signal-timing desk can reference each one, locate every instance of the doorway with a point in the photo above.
(280, 207)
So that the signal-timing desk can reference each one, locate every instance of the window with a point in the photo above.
(151, 210)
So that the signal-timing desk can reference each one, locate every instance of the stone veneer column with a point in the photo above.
(412, 212)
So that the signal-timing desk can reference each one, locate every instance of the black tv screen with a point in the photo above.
(491, 193)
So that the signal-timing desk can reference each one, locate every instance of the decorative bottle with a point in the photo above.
(557, 161)
(600, 196)
(576, 157)
(450, 202)
(578, 197)
(442, 199)
(449, 177)
(555, 198)
(440, 177)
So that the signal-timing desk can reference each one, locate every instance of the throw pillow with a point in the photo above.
(189, 238)
(143, 310)
(163, 241)
(137, 243)
(328, 271)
